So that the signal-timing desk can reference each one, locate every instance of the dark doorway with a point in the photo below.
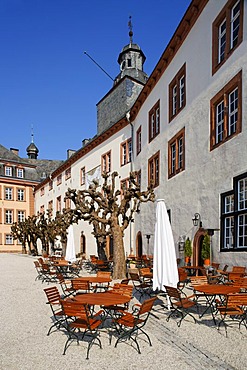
(139, 250)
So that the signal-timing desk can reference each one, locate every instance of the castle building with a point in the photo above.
(18, 178)
(183, 128)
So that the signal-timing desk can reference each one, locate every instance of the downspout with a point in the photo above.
(131, 169)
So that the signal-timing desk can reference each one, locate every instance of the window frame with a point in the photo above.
(8, 171)
(18, 195)
(68, 173)
(152, 161)
(83, 175)
(59, 204)
(8, 195)
(175, 168)
(59, 179)
(225, 16)
(126, 152)
(235, 214)
(20, 219)
(9, 218)
(154, 121)
(216, 101)
(20, 173)
(106, 162)
(179, 91)
(11, 239)
(139, 140)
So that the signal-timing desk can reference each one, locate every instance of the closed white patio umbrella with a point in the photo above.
(165, 270)
(70, 248)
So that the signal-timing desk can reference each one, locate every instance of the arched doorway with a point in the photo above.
(197, 247)
(139, 250)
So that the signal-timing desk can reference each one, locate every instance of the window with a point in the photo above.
(124, 185)
(8, 239)
(154, 121)
(59, 179)
(67, 203)
(153, 170)
(177, 93)
(126, 152)
(234, 216)
(83, 176)
(106, 162)
(139, 140)
(59, 204)
(227, 32)
(9, 193)
(50, 205)
(8, 216)
(68, 173)
(42, 191)
(176, 151)
(8, 171)
(20, 216)
(20, 173)
(50, 185)
(20, 194)
(226, 111)
(42, 209)
(138, 178)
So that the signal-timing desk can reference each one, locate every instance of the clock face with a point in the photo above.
(123, 65)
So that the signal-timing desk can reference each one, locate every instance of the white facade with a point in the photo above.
(207, 172)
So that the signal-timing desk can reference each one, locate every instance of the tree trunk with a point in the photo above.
(119, 264)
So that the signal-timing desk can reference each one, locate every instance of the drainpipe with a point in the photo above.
(131, 168)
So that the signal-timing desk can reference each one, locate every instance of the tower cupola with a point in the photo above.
(131, 60)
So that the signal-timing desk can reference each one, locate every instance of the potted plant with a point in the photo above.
(205, 253)
(187, 250)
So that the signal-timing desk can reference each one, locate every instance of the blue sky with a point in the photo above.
(48, 83)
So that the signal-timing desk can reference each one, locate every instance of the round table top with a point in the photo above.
(94, 279)
(217, 289)
(102, 299)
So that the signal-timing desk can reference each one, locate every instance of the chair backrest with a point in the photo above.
(37, 265)
(225, 268)
(240, 269)
(237, 299)
(134, 276)
(40, 259)
(125, 281)
(172, 292)
(144, 270)
(182, 274)
(233, 276)
(80, 285)
(75, 309)
(60, 278)
(106, 274)
(147, 306)
(52, 294)
(198, 280)
(215, 265)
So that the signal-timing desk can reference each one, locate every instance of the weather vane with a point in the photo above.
(130, 30)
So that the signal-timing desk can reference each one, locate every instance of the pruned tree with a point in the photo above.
(26, 232)
(109, 210)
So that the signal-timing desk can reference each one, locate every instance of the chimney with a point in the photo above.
(15, 151)
(84, 142)
(70, 152)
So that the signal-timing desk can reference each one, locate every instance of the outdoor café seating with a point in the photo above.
(180, 304)
(81, 324)
(233, 310)
(142, 287)
(53, 299)
(131, 325)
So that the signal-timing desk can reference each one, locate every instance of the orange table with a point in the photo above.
(211, 291)
(102, 299)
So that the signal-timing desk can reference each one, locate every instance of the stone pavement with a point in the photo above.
(25, 320)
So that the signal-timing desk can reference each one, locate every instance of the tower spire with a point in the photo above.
(130, 30)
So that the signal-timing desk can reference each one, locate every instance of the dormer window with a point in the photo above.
(8, 171)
